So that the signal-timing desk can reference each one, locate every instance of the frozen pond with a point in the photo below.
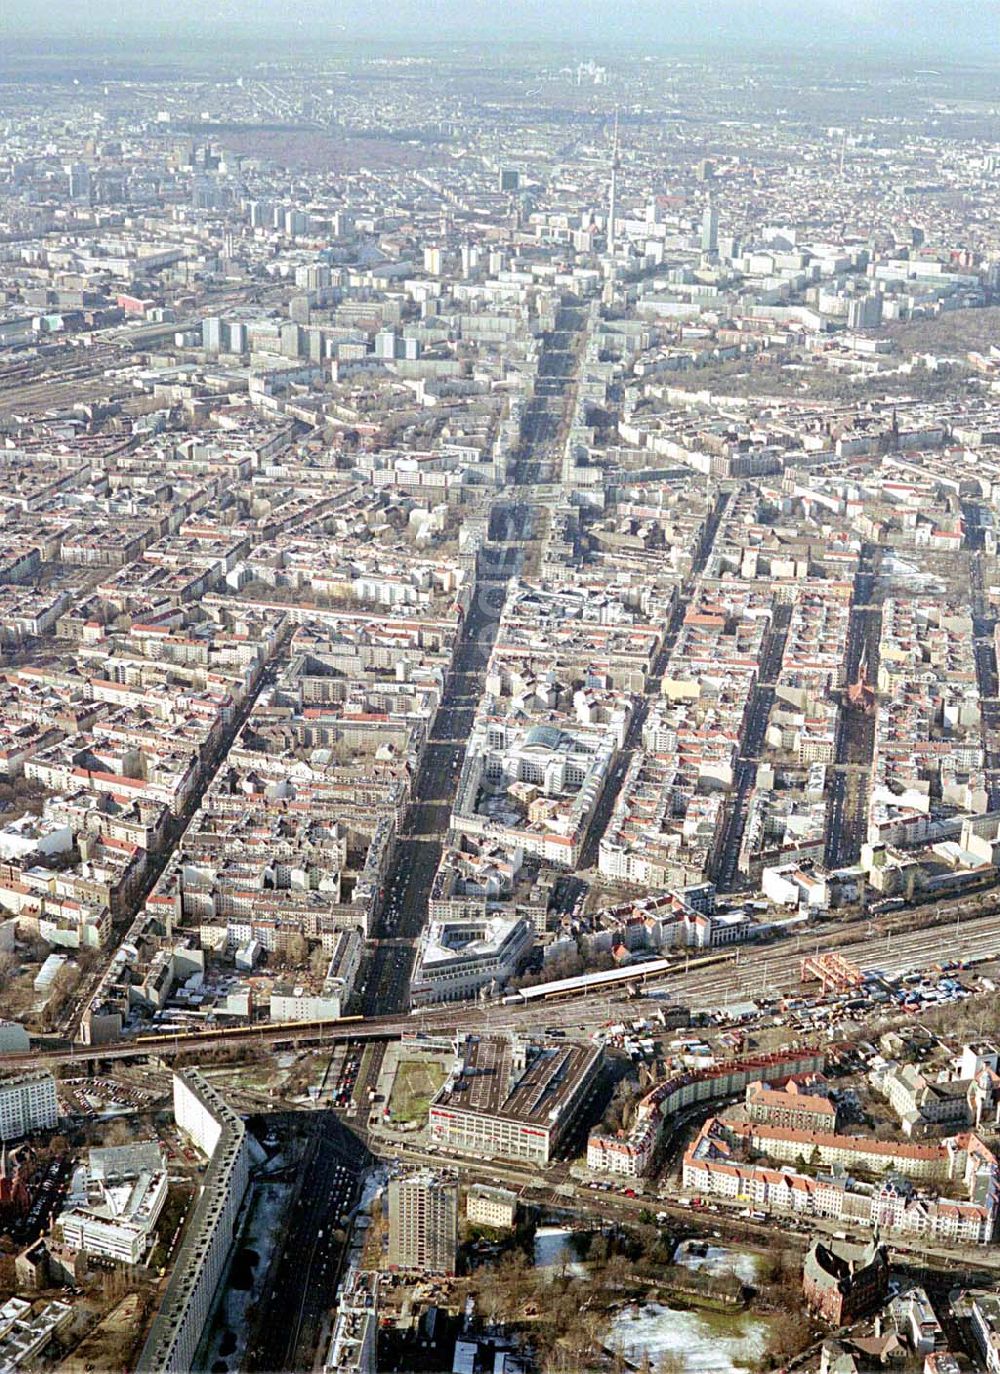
(554, 1249)
(707, 1342)
(717, 1260)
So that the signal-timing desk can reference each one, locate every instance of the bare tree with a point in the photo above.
(295, 951)
(117, 1133)
(617, 1271)
(789, 1336)
(597, 1255)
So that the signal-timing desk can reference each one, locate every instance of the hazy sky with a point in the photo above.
(945, 29)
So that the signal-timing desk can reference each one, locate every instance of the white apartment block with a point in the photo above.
(496, 1207)
(216, 1129)
(28, 1103)
(295, 1004)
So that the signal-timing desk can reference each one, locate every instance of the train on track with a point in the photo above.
(564, 989)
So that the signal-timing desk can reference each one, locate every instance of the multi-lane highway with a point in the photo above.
(987, 681)
(303, 1277)
(418, 848)
(854, 742)
(513, 524)
(546, 415)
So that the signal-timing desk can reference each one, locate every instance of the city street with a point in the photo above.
(387, 972)
(303, 1278)
(854, 741)
(751, 742)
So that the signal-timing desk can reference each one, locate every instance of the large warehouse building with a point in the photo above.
(512, 1099)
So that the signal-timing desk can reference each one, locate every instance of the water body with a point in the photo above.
(554, 1250)
(707, 1342)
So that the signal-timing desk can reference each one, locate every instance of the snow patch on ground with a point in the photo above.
(718, 1260)
(268, 1207)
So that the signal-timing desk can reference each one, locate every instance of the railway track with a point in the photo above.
(770, 969)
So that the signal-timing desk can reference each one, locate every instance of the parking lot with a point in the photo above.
(95, 1097)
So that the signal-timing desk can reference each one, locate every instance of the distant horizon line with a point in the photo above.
(133, 41)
